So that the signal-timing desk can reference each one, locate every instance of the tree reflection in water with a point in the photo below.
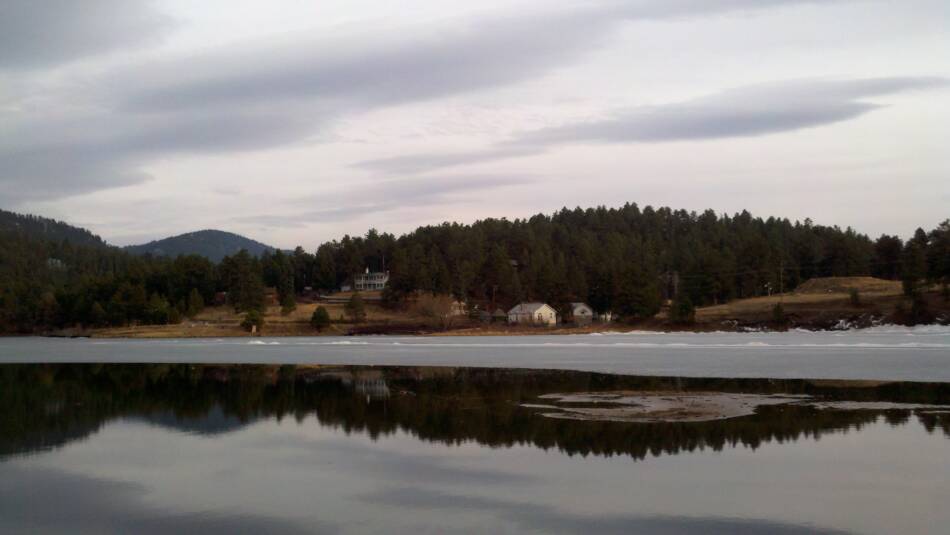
(48, 406)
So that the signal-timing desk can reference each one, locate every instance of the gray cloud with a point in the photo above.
(421, 163)
(256, 96)
(386, 196)
(59, 158)
(413, 64)
(372, 70)
(740, 112)
(42, 33)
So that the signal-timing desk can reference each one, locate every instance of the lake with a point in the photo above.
(323, 447)
(886, 353)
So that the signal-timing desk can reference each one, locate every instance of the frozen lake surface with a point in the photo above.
(885, 353)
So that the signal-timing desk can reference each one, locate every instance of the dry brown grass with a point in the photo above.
(844, 285)
(829, 295)
(223, 321)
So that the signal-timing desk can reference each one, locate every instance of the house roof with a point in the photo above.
(579, 304)
(527, 308)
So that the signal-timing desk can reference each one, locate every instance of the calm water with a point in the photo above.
(888, 353)
(281, 449)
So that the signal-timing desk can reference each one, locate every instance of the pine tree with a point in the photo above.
(253, 321)
(638, 295)
(913, 266)
(244, 282)
(682, 310)
(195, 303)
(97, 315)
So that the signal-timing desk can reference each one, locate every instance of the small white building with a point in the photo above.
(582, 314)
(533, 313)
(369, 281)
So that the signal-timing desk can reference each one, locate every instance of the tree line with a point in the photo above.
(625, 260)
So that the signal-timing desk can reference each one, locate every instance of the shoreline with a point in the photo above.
(818, 312)
(148, 332)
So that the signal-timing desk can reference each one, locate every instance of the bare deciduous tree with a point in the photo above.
(440, 309)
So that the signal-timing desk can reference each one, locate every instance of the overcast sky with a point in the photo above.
(295, 122)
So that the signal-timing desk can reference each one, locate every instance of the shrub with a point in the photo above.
(253, 319)
(320, 319)
(157, 310)
(919, 310)
(287, 304)
(355, 309)
(682, 310)
(97, 315)
(778, 315)
(855, 296)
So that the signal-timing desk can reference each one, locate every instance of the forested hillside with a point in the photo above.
(211, 244)
(624, 260)
(47, 229)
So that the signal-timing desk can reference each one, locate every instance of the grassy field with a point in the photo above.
(817, 299)
(223, 321)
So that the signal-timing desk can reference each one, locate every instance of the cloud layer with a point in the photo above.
(314, 116)
(259, 96)
(43, 33)
(384, 197)
(739, 112)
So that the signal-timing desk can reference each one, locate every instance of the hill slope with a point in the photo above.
(43, 228)
(212, 244)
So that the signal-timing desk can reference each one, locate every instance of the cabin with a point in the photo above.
(533, 314)
(370, 281)
(582, 314)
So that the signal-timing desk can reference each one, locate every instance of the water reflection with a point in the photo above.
(48, 406)
(75, 503)
(545, 519)
(283, 449)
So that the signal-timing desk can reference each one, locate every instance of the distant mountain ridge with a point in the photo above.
(210, 243)
(47, 229)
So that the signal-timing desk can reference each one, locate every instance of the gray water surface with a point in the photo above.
(884, 353)
(166, 448)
